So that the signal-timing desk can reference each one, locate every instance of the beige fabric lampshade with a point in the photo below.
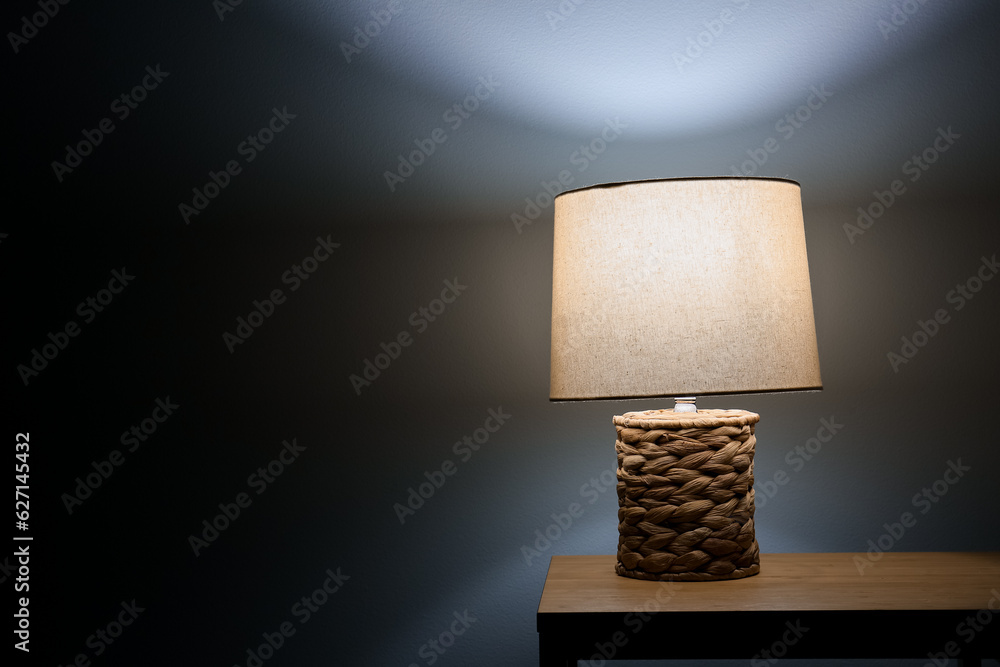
(681, 287)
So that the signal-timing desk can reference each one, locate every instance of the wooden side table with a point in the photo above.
(932, 606)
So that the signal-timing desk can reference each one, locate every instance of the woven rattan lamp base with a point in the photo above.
(685, 495)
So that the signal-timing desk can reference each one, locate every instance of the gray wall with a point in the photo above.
(332, 507)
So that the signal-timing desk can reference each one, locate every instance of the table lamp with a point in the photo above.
(675, 288)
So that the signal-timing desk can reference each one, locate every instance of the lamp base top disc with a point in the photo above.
(653, 419)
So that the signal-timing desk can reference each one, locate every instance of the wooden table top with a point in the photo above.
(787, 582)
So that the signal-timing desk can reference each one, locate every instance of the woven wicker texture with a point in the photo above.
(685, 495)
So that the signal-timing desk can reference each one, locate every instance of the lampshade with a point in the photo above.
(681, 286)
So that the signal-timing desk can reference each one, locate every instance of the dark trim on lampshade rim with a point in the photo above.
(679, 178)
